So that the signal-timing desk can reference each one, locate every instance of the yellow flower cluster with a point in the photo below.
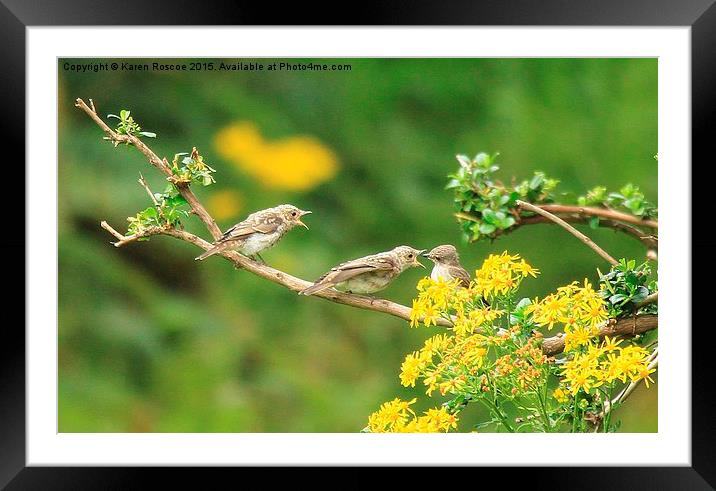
(605, 363)
(444, 362)
(502, 274)
(296, 163)
(579, 308)
(396, 417)
(435, 299)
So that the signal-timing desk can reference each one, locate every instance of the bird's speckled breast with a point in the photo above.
(258, 242)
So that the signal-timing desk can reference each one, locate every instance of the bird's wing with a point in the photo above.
(351, 269)
(248, 227)
(460, 272)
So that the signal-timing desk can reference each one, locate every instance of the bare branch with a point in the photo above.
(572, 230)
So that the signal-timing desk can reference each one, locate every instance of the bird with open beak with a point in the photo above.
(258, 231)
(447, 265)
(368, 274)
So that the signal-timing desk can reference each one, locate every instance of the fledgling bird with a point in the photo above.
(447, 265)
(259, 231)
(367, 274)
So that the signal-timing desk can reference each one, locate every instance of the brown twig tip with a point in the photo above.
(111, 230)
(589, 242)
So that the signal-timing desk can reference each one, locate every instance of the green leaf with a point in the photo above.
(489, 216)
(482, 159)
(536, 181)
(487, 228)
(614, 299)
(148, 134)
(124, 114)
(452, 183)
(594, 223)
(507, 222)
(523, 303)
(464, 160)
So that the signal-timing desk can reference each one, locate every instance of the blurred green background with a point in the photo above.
(150, 340)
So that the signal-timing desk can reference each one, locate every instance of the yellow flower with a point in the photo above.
(578, 336)
(594, 311)
(411, 368)
(431, 380)
(642, 372)
(560, 395)
(436, 344)
(436, 420)
(452, 385)
(550, 310)
(391, 414)
(294, 163)
(525, 269)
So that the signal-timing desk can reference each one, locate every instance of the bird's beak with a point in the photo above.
(304, 213)
(427, 254)
(418, 263)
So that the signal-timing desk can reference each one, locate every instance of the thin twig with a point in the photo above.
(112, 231)
(568, 227)
(143, 183)
(599, 212)
(649, 241)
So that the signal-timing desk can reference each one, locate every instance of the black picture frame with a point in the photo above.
(700, 15)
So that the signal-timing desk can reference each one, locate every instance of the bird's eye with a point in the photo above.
(410, 256)
(293, 213)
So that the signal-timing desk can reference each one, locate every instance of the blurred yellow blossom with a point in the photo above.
(225, 204)
(295, 163)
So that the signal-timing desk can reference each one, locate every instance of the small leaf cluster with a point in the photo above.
(629, 199)
(484, 205)
(625, 285)
(190, 167)
(169, 211)
(128, 126)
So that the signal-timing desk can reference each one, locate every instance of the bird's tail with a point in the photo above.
(315, 288)
(214, 250)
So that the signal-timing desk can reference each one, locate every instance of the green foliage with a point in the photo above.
(625, 285)
(171, 208)
(127, 125)
(485, 205)
(629, 199)
(192, 168)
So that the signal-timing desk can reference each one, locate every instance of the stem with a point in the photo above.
(496, 411)
(569, 228)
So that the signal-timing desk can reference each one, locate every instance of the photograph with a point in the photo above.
(357, 245)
